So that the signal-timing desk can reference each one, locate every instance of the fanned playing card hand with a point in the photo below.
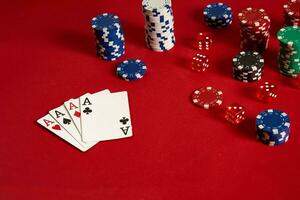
(91, 118)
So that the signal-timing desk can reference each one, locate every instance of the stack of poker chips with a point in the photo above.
(248, 66)
(289, 53)
(292, 13)
(254, 29)
(217, 15)
(159, 25)
(109, 36)
(272, 127)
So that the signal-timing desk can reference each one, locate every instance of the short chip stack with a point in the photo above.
(272, 127)
(289, 53)
(248, 66)
(292, 13)
(159, 25)
(131, 70)
(254, 32)
(217, 15)
(207, 97)
(109, 36)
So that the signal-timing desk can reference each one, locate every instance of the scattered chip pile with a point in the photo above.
(273, 127)
(159, 24)
(248, 66)
(207, 97)
(292, 13)
(109, 36)
(131, 70)
(217, 15)
(254, 29)
(289, 53)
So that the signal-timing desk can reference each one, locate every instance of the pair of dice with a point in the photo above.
(235, 113)
(200, 61)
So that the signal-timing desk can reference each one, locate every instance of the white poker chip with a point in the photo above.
(159, 24)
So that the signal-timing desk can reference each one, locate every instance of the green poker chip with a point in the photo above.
(289, 35)
(289, 52)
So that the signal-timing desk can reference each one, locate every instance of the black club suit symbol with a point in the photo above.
(87, 110)
(124, 120)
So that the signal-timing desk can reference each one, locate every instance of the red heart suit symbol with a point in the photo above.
(56, 127)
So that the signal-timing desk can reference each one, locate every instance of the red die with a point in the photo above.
(267, 92)
(204, 41)
(235, 113)
(200, 62)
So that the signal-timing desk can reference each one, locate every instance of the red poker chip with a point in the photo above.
(253, 17)
(261, 28)
(207, 97)
(292, 8)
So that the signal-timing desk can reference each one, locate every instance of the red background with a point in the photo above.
(178, 151)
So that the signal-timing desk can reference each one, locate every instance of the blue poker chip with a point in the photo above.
(110, 43)
(217, 11)
(109, 36)
(105, 21)
(132, 69)
(272, 139)
(273, 121)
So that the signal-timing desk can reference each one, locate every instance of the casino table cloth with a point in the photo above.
(178, 151)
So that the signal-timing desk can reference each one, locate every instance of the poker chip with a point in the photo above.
(131, 70)
(207, 97)
(159, 25)
(289, 53)
(292, 13)
(108, 32)
(248, 66)
(273, 127)
(254, 29)
(217, 15)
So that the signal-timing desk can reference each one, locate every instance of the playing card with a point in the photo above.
(105, 116)
(73, 108)
(61, 115)
(49, 123)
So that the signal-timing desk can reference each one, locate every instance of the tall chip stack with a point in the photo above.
(289, 52)
(254, 29)
(109, 36)
(273, 127)
(159, 24)
(292, 13)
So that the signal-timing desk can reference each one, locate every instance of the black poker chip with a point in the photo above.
(247, 60)
(247, 66)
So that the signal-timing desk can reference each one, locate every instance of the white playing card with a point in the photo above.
(73, 108)
(105, 117)
(49, 123)
(61, 115)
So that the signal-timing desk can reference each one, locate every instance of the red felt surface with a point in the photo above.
(178, 151)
